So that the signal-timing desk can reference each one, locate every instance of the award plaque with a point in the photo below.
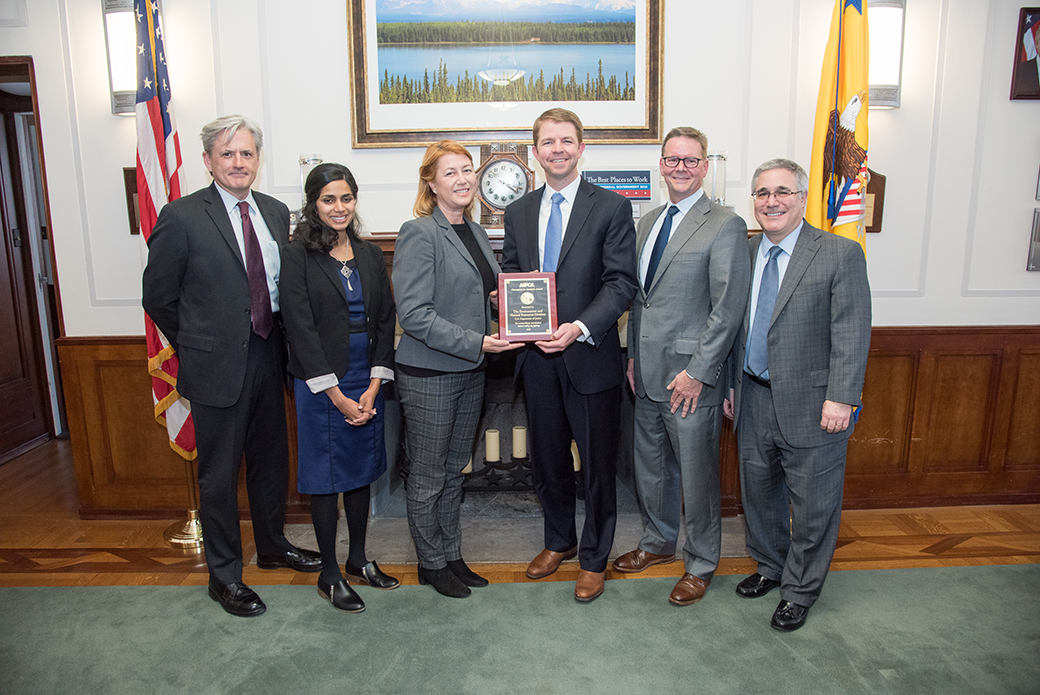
(526, 306)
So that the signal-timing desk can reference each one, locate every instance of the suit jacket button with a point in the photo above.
(647, 305)
(247, 311)
(245, 343)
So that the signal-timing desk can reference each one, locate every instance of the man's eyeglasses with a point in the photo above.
(690, 162)
(781, 194)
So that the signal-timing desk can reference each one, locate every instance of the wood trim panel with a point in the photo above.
(951, 416)
(124, 464)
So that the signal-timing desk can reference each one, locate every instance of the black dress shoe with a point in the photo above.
(341, 596)
(789, 616)
(467, 576)
(237, 599)
(297, 559)
(371, 575)
(444, 581)
(756, 585)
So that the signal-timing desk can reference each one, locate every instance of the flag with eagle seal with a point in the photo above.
(838, 175)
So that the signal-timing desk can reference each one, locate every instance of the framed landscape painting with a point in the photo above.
(481, 71)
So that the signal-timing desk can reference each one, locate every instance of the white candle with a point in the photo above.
(469, 466)
(574, 453)
(519, 442)
(491, 447)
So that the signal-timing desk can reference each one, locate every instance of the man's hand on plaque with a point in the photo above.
(566, 334)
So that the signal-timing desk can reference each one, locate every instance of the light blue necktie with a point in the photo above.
(553, 235)
(658, 250)
(756, 360)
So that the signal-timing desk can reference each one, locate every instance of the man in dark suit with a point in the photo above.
(585, 235)
(211, 286)
(694, 274)
(800, 360)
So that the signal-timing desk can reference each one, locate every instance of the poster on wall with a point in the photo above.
(478, 71)
(1025, 76)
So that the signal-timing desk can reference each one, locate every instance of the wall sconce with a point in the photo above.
(886, 52)
(121, 46)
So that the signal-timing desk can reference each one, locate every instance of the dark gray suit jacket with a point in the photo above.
(697, 300)
(595, 277)
(441, 304)
(819, 335)
(196, 290)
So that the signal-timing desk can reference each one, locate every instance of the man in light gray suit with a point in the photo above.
(798, 367)
(693, 285)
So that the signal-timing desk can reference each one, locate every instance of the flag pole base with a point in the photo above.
(185, 535)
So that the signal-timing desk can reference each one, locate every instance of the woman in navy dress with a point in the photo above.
(338, 312)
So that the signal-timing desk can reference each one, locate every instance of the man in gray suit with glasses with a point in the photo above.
(799, 362)
(693, 286)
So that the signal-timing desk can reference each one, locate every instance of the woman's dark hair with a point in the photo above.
(315, 234)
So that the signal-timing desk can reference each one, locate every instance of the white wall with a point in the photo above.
(960, 157)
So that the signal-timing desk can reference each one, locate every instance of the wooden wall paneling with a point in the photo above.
(124, 464)
(880, 442)
(1022, 451)
(960, 419)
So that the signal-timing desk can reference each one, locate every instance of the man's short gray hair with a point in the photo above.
(799, 173)
(225, 128)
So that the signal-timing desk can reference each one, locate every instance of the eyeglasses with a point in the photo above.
(690, 162)
(781, 194)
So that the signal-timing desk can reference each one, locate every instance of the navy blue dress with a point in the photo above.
(335, 456)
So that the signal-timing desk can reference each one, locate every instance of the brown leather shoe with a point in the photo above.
(689, 590)
(589, 586)
(548, 561)
(638, 560)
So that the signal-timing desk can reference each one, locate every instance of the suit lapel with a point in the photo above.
(530, 229)
(579, 213)
(804, 251)
(753, 246)
(691, 222)
(330, 267)
(219, 214)
(451, 237)
(278, 231)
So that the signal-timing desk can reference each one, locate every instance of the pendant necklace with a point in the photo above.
(346, 272)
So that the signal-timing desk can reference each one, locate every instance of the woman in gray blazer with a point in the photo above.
(444, 275)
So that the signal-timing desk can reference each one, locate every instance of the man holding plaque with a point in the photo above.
(585, 235)
(694, 273)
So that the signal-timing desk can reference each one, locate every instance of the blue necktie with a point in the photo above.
(658, 251)
(553, 235)
(756, 352)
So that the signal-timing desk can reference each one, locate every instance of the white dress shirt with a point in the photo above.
(268, 246)
(684, 206)
(569, 192)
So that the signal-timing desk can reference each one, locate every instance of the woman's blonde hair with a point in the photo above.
(426, 199)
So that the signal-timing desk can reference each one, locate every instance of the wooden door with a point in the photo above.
(24, 403)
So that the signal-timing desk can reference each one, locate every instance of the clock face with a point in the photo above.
(503, 182)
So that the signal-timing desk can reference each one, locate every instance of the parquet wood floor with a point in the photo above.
(43, 542)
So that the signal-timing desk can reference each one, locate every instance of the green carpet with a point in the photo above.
(950, 630)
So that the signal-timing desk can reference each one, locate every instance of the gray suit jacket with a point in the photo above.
(819, 335)
(196, 290)
(697, 300)
(441, 304)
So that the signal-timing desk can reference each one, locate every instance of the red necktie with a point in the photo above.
(260, 297)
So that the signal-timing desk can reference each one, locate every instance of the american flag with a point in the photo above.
(160, 179)
(853, 205)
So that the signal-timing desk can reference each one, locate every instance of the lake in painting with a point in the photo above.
(410, 65)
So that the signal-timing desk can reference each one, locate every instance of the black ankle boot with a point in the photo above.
(444, 581)
(465, 574)
(341, 596)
